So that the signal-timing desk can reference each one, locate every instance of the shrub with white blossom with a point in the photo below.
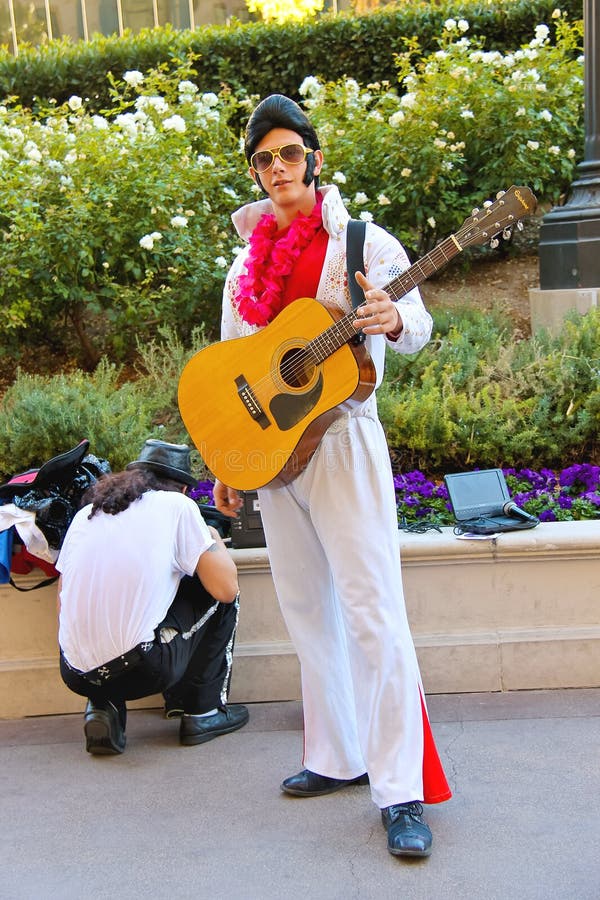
(465, 124)
(114, 225)
(117, 224)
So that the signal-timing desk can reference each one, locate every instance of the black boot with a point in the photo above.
(104, 727)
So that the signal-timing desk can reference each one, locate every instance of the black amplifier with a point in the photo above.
(247, 529)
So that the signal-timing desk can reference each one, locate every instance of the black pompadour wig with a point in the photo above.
(277, 111)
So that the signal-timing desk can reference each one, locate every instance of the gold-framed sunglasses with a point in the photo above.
(292, 154)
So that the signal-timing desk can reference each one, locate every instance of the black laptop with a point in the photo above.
(478, 500)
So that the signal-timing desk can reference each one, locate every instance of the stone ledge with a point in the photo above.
(514, 613)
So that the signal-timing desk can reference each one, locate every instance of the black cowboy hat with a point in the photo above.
(172, 460)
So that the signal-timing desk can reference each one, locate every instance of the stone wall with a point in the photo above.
(515, 613)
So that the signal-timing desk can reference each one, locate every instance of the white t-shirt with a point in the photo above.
(120, 574)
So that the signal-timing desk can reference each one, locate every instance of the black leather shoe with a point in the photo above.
(104, 731)
(309, 784)
(408, 835)
(199, 729)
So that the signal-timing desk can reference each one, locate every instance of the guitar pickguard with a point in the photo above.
(289, 409)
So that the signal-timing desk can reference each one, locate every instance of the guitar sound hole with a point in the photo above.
(296, 368)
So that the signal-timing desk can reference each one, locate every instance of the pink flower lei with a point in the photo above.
(259, 297)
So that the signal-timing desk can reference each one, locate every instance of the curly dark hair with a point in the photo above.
(115, 492)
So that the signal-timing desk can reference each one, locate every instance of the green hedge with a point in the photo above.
(475, 396)
(262, 58)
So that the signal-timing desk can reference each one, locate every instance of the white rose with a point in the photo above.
(174, 123)
(187, 87)
(133, 78)
(395, 119)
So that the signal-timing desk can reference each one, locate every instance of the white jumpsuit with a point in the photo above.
(332, 536)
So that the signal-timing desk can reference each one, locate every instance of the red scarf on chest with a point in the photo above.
(261, 292)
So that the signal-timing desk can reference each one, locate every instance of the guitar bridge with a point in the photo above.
(250, 402)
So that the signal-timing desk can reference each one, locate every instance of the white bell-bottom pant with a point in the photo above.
(332, 536)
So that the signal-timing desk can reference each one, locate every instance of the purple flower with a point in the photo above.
(591, 497)
(203, 493)
(411, 501)
(586, 475)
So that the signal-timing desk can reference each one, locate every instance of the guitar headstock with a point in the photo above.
(509, 208)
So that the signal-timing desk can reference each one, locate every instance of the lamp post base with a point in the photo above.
(549, 307)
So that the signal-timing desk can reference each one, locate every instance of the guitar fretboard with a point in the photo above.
(510, 206)
(338, 334)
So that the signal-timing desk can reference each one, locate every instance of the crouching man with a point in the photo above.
(148, 603)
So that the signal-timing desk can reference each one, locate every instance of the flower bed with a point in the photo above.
(568, 495)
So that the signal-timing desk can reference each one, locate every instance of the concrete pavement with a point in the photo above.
(210, 822)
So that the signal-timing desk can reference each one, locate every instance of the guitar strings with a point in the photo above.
(295, 366)
(342, 330)
(343, 327)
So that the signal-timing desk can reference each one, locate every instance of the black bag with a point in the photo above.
(54, 493)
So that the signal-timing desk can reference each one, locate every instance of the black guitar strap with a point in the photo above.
(355, 239)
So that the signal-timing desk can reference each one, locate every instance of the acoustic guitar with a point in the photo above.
(257, 407)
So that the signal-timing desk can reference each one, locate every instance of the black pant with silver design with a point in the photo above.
(189, 661)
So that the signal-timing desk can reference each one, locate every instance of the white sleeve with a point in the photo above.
(230, 321)
(192, 539)
(385, 260)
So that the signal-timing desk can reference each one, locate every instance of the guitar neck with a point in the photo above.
(421, 270)
(338, 334)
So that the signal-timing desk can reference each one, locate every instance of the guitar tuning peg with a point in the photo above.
(475, 211)
(494, 243)
(487, 203)
(500, 194)
(507, 233)
(520, 226)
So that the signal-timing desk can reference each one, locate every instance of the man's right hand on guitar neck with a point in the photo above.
(227, 499)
